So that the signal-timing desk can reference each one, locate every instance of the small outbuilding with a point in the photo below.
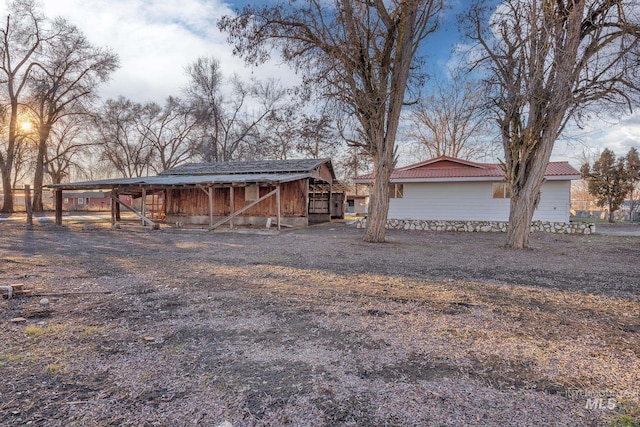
(289, 193)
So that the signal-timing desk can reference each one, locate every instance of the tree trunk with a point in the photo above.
(378, 203)
(520, 217)
(523, 206)
(7, 205)
(524, 201)
(611, 216)
(38, 177)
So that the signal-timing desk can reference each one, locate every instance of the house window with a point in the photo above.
(66, 201)
(81, 200)
(501, 190)
(251, 193)
(396, 191)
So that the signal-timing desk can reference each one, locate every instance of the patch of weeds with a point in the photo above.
(8, 359)
(38, 331)
(630, 416)
(54, 369)
(92, 330)
(624, 421)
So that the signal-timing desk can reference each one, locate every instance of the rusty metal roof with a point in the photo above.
(248, 167)
(181, 181)
(219, 173)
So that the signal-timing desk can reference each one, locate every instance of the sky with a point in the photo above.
(157, 39)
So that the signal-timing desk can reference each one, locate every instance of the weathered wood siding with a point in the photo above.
(325, 173)
(195, 202)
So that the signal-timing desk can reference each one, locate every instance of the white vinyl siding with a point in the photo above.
(473, 201)
(555, 202)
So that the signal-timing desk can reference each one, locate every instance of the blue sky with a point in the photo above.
(156, 39)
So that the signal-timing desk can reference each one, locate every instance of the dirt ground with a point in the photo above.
(315, 327)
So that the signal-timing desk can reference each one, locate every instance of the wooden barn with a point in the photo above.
(289, 193)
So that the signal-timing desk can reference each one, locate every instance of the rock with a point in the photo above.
(18, 320)
(44, 302)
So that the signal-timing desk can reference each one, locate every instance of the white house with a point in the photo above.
(461, 192)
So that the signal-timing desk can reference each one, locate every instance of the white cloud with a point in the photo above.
(619, 136)
(156, 40)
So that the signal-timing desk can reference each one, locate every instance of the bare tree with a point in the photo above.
(204, 94)
(249, 107)
(279, 132)
(549, 61)
(317, 136)
(23, 149)
(168, 130)
(358, 54)
(65, 146)
(353, 162)
(450, 120)
(287, 131)
(20, 40)
(119, 140)
(24, 152)
(63, 83)
(230, 125)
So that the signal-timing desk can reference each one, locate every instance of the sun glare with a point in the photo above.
(26, 126)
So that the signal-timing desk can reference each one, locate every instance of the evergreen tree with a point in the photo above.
(610, 180)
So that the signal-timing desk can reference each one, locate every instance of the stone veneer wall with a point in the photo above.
(483, 226)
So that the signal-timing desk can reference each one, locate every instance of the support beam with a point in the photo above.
(142, 217)
(114, 205)
(210, 192)
(232, 203)
(144, 204)
(249, 206)
(27, 205)
(58, 203)
(278, 204)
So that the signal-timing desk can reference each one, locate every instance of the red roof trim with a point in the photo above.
(444, 158)
(472, 172)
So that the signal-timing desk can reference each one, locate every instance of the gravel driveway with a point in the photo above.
(618, 229)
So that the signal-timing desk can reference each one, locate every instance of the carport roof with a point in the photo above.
(250, 167)
(176, 181)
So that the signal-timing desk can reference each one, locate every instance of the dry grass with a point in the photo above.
(316, 327)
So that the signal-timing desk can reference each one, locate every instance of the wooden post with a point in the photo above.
(330, 203)
(58, 203)
(210, 192)
(118, 218)
(144, 219)
(278, 204)
(27, 205)
(307, 200)
(143, 206)
(232, 204)
(114, 207)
